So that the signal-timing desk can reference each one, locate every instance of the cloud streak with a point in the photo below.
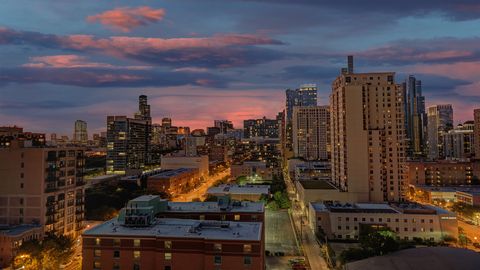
(218, 51)
(125, 18)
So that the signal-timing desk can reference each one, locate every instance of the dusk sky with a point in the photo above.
(200, 60)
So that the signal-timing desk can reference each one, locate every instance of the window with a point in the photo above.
(116, 242)
(247, 248)
(167, 267)
(97, 265)
(97, 241)
(217, 247)
(217, 260)
(136, 242)
(202, 217)
(116, 253)
(168, 256)
(97, 253)
(136, 254)
(168, 244)
(247, 260)
(21, 185)
(116, 265)
(224, 217)
(237, 217)
(136, 266)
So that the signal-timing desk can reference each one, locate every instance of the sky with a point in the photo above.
(201, 60)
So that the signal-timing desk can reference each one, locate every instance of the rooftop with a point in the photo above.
(393, 208)
(316, 184)
(214, 207)
(17, 230)
(239, 189)
(183, 228)
(175, 172)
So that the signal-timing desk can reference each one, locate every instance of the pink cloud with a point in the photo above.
(72, 61)
(458, 70)
(126, 18)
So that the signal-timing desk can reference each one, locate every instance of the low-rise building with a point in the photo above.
(319, 190)
(471, 197)
(174, 181)
(408, 220)
(433, 194)
(443, 172)
(12, 238)
(254, 169)
(172, 162)
(240, 193)
(139, 240)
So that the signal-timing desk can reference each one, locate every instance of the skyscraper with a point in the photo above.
(367, 136)
(80, 134)
(305, 96)
(458, 143)
(129, 140)
(440, 121)
(310, 128)
(476, 131)
(223, 125)
(415, 117)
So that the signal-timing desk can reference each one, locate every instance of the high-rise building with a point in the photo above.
(80, 134)
(458, 143)
(263, 127)
(415, 117)
(440, 121)
(306, 95)
(166, 122)
(126, 144)
(223, 125)
(143, 109)
(44, 186)
(311, 136)
(476, 131)
(367, 136)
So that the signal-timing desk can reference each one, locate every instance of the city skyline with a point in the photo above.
(234, 63)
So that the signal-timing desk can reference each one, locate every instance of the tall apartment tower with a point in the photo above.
(80, 134)
(306, 95)
(440, 121)
(44, 186)
(126, 144)
(476, 131)
(311, 136)
(223, 125)
(415, 117)
(368, 136)
(143, 109)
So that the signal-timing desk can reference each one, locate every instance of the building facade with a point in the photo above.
(440, 121)
(407, 221)
(80, 133)
(442, 173)
(476, 131)
(263, 127)
(43, 186)
(172, 162)
(311, 132)
(174, 181)
(459, 143)
(368, 139)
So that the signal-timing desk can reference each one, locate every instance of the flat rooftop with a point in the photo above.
(237, 189)
(213, 207)
(467, 189)
(175, 172)
(182, 228)
(17, 230)
(316, 184)
(393, 208)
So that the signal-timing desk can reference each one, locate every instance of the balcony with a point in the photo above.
(79, 183)
(50, 189)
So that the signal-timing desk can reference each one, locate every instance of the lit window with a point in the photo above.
(247, 248)
(168, 244)
(237, 217)
(97, 241)
(97, 253)
(136, 254)
(116, 242)
(217, 247)
(168, 256)
(97, 265)
(136, 242)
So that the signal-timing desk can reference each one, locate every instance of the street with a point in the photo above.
(200, 192)
(307, 238)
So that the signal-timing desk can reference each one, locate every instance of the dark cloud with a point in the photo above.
(45, 104)
(219, 51)
(455, 10)
(97, 77)
(324, 74)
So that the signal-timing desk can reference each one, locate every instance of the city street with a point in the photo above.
(306, 236)
(200, 191)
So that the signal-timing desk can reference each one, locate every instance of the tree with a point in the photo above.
(48, 254)
(380, 242)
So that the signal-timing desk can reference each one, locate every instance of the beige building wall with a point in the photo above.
(28, 194)
(368, 153)
(177, 162)
(476, 131)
